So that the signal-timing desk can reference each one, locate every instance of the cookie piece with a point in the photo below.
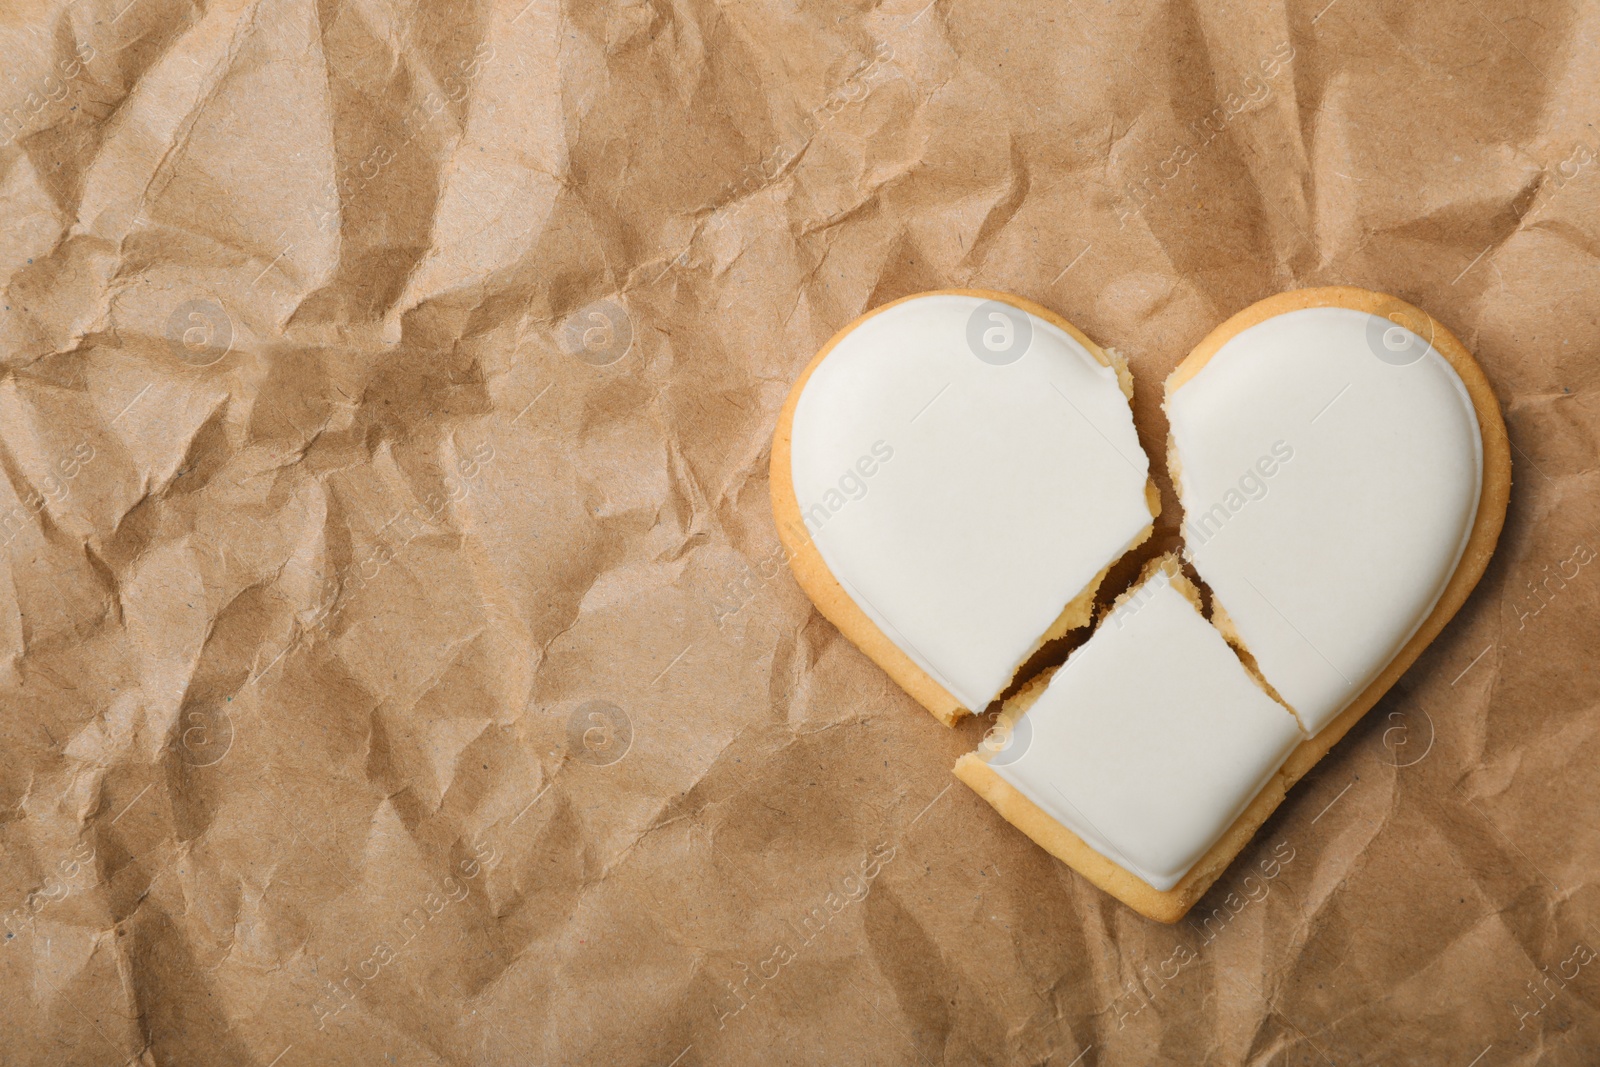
(952, 476)
(1132, 760)
(1383, 493)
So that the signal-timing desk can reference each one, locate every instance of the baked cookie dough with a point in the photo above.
(955, 473)
(952, 476)
(1369, 539)
(1143, 749)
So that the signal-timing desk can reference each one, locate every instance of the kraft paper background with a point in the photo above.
(397, 662)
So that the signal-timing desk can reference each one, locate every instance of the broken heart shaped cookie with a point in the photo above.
(1343, 470)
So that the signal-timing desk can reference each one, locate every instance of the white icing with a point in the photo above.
(1329, 571)
(1151, 740)
(996, 492)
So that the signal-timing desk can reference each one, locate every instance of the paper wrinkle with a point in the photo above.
(150, 126)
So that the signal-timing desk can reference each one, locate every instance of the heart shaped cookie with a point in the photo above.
(1343, 470)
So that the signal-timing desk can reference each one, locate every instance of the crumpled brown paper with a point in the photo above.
(397, 664)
